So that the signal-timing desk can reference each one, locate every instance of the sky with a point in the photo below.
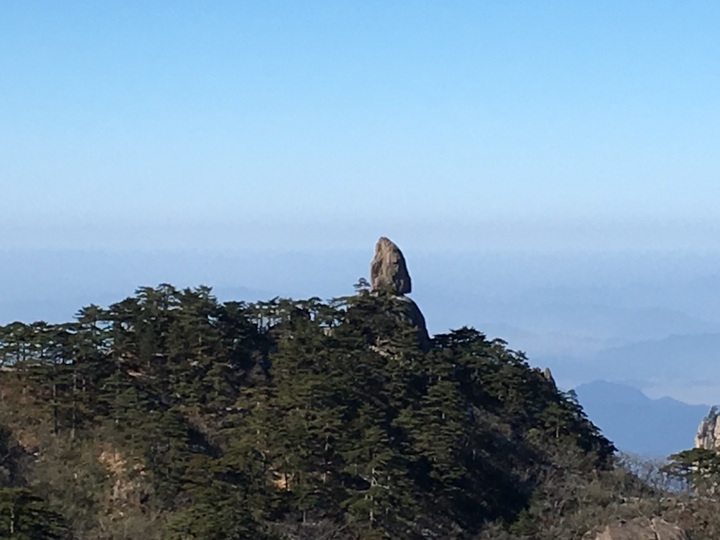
(277, 125)
(550, 169)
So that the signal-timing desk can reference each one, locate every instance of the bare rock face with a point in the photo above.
(708, 433)
(642, 529)
(388, 270)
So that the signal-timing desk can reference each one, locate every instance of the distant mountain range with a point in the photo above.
(684, 366)
(637, 423)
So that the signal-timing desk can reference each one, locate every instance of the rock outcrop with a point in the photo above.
(642, 529)
(414, 316)
(708, 433)
(388, 271)
(389, 274)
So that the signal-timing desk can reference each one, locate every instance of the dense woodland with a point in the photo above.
(172, 416)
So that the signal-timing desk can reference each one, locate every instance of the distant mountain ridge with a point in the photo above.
(637, 423)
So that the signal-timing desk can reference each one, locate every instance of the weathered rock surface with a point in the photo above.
(411, 312)
(388, 270)
(642, 529)
(708, 433)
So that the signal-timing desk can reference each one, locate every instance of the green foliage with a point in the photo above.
(697, 467)
(170, 415)
(25, 516)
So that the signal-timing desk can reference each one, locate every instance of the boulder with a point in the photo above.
(388, 271)
(642, 529)
(708, 433)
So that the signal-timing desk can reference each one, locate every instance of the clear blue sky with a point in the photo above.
(301, 124)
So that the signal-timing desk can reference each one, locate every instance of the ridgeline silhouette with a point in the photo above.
(170, 415)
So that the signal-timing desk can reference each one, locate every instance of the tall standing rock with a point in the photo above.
(388, 270)
(389, 274)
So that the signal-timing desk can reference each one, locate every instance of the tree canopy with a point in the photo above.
(171, 415)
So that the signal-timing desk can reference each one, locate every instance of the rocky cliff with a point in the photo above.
(708, 433)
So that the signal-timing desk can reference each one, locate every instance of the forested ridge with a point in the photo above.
(171, 415)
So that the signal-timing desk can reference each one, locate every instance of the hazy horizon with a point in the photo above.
(580, 313)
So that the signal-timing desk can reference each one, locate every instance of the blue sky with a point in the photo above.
(277, 125)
